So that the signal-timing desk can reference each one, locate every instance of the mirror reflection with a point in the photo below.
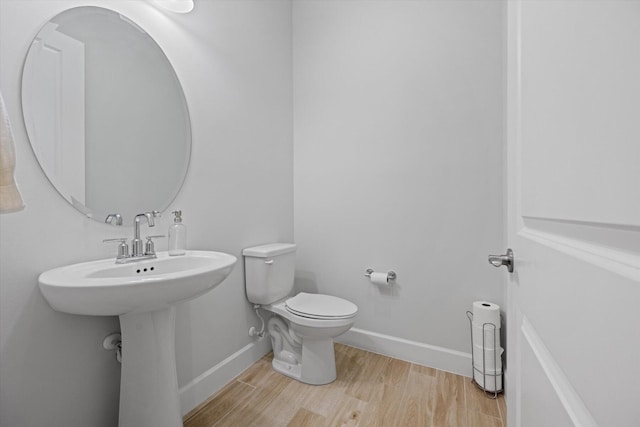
(105, 114)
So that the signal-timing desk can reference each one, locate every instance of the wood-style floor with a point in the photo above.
(371, 390)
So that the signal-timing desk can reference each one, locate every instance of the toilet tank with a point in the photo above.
(269, 272)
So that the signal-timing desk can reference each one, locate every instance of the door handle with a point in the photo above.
(500, 260)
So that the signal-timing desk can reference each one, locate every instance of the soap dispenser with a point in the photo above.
(177, 235)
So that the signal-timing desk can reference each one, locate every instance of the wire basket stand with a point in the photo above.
(491, 328)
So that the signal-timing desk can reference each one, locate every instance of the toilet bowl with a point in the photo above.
(303, 342)
(303, 326)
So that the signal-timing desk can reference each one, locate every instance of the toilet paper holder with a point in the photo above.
(391, 275)
(491, 328)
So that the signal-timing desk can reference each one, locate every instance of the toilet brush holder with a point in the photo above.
(490, 377)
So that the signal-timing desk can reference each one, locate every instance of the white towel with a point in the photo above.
(10, 198)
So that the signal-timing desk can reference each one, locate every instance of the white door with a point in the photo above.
(573, 116)
(53, 103)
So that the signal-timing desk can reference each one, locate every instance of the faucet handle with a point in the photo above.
(115, 239)
(149, 248)
(123, 248)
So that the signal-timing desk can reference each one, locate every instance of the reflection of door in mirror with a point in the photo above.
(58, 89)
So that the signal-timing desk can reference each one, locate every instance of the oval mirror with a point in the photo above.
(105, 114)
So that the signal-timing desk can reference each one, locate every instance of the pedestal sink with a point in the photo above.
(144, 295)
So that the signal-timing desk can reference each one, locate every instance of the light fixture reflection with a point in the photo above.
(178, 6)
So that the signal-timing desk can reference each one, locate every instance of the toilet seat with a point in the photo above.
(321, 307)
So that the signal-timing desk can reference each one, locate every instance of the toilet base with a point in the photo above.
(317, 365)
(303, 347)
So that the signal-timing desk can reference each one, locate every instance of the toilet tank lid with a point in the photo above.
(270, 250)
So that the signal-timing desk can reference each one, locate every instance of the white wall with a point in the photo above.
(398, 165)
(234, 62)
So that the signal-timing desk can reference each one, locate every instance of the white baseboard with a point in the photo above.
(441, 358)
(205, 385)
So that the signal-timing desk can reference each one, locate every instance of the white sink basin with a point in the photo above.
(103, 288)
(143, 294)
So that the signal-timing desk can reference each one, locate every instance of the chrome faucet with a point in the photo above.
(137, 253)
(114, 216)
(136, 243)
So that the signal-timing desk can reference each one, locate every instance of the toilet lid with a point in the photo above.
(320, 306)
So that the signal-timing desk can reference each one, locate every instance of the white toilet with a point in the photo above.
(303, 326)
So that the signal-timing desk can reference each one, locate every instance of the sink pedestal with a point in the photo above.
(149, 382)
(143, 294)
